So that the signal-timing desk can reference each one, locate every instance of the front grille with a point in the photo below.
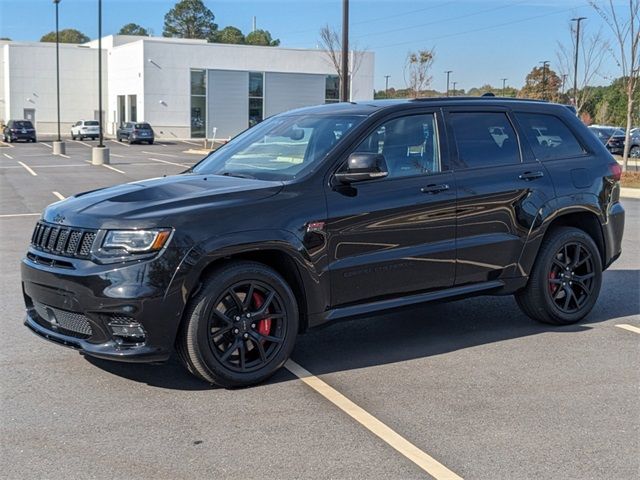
(71, 323)
(66, 241)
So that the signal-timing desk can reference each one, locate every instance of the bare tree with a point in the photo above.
(416, 70)
(331, 44)
(626, 31)
(593, 51)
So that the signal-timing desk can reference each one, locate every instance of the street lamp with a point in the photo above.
(504, 84)
(454, 88)
(100, 154)
(386, 86)
(344, 86)
(575, 60)
(545, 64)
(58, 145)
(448, 72)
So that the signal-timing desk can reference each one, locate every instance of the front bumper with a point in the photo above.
(81, 303)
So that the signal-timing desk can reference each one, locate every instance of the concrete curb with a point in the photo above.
(629, 192)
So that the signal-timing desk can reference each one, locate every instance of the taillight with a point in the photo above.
(616, 171)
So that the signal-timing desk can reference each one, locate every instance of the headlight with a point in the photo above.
(136, 241)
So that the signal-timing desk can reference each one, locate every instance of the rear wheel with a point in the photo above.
(565, 280)
(241, 327)
(634, 152)
(73, 137)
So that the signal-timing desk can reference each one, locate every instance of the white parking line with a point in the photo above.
(170, 163)
(83, 143)
(8, 156)
(54, 166)
(631, 328)
(28, 169)
(8, 215)
(191, 143)
(161, 154)
(392, 438)
(46, 144)
(59, 195)
(7, 144)
(63, 155)
(114, 169)
(117, 156)
(120, 143)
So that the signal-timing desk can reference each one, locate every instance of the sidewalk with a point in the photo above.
(629, 192)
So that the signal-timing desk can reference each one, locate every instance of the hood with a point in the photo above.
(146, 203)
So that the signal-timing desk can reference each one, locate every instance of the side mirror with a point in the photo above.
(363, 166)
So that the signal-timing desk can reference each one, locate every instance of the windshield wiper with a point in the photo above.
(237, 175)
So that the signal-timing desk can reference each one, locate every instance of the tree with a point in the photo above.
(6, 39)
(261, 37)
(68, 35)
(332, 46)
(591, 54)
(189, 19)
(626, 32)
(133, 29)
(541, 83)
(416, 70)
(228, 35)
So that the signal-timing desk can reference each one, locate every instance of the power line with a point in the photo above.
(439, 22)
(438, 5)
(490, 27)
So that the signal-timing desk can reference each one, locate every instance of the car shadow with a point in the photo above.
(411, 333)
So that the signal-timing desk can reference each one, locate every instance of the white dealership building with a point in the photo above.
(183, 88)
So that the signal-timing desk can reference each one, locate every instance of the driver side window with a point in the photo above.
(410, 145)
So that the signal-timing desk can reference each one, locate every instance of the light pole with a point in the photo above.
(448, 72)
(344, 86)
(504, 85)
(575, 60)
(544, 63)
(454, 88)
(100, 154)
(386, 86)
(58, 145)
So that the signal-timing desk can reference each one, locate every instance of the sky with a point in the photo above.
(481, 41)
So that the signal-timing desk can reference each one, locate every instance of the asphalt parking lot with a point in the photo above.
(474, 386)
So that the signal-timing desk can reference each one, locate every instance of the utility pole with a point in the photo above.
(448, 72)
(454, 88)
(575, 60)
(504, 83)
(100, 154)
(58, 146)
(544, 63)
(386, 86)
(344, 86)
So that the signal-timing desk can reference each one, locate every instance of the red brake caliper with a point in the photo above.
(264, 325)
(552, 286)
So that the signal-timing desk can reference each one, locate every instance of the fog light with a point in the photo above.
(125, 331)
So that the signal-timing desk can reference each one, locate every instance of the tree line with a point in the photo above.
(187, 19)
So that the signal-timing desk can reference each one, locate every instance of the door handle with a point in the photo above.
(528, 176)
(435, 188)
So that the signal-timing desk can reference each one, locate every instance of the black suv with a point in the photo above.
(327, 213)
(19, 130)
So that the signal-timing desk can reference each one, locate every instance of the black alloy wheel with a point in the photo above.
(571, 277)
(565, 281)
(247, 325)
(240, 327)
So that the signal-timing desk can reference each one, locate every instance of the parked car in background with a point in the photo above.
(613, 139)
(292, 225)
(85, 129)
(19, 130)
(135, 132)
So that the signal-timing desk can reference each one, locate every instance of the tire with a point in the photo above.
(254, 350)
(150, 142)
(130, 141)
(564, 285)
(73, 137)
(634, 152)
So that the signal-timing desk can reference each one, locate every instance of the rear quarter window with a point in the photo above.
(548, 136)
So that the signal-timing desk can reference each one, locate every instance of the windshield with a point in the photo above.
(279, 148)
(142, 126)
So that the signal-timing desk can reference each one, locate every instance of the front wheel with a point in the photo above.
(634, 152)
(565, 280)
(241, 326)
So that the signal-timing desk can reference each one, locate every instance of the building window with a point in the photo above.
(256, 97)
(133, 108)
(332, 89)
(198, 103)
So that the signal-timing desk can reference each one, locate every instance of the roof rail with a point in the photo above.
(483, 97)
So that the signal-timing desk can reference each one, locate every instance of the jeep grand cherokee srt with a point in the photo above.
(326, 213)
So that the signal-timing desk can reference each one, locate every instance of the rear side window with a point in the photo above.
(484, 139)
(548, 136)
